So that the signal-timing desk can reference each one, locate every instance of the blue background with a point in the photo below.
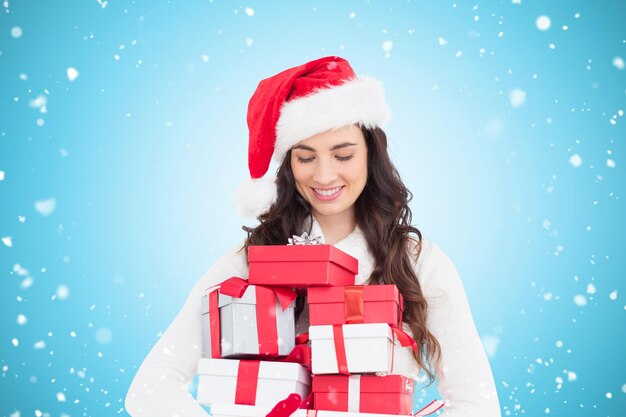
(117, 194)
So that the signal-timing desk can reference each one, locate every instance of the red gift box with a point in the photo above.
(300, 266)
(391, 394)
(355, 304)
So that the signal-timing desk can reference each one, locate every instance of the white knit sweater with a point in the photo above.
(465, 381)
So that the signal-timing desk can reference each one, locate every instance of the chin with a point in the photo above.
(329, 211)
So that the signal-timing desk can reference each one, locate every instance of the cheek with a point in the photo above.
(299, 174)
(358, 172)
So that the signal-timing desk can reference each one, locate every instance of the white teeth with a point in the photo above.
(327, 192)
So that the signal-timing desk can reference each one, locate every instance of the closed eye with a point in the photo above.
(305, 160)
(345, 158)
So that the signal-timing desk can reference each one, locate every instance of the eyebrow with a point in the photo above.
(339, 146)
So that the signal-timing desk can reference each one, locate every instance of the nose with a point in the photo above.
(325, 172)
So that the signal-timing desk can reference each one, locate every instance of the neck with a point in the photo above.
(337, 226)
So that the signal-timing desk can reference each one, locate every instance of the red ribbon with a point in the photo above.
(401, 304)
(302, 339)
(307, 402)
(267, 332)
(247, 379)
(214, 322)
(236, 287)
(265, 308)
(404, 339)
(301, 353)
(284, 408)
(354, 307)
(340, 349)
(353, 302)
(433, 406)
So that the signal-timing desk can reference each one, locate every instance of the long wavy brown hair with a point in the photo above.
(383, 215)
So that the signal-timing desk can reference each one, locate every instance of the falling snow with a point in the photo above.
(580, 300)
(16, 32)
(543, 23)
(39, 103)
(490, 343)
(517, 97)
(387, 45)
(575, 160)
(8, 241)
(62, 292)
(104, 335)
(45, 207)
(72, 73)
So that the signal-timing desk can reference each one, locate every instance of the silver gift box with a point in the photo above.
(238, 328)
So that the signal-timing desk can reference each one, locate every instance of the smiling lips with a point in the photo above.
(327, 194)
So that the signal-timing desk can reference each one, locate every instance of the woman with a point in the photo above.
(335, 181)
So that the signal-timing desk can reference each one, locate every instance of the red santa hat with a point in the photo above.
(296, 104)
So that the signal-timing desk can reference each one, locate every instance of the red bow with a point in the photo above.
(236, 287)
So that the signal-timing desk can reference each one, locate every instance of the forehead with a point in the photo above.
(330, 138)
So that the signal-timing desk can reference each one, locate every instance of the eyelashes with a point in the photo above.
(345, 158)
(339, 158)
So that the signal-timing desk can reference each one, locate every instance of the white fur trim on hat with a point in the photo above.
(359, 100)
(255, 196)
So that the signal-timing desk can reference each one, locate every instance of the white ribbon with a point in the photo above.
(354, 393)
(430, 408)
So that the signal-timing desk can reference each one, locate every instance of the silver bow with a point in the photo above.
(304, 239)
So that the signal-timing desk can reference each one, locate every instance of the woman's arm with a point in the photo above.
(160, 387)
(464, 379)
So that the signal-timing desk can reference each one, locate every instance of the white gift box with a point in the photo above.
(369, 348)
(222, 410)
(219, 381)
(238, 326)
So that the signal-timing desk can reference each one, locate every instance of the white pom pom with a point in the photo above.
(254, 197)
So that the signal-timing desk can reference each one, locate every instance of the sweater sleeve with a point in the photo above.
(160, 387)
(464, 378)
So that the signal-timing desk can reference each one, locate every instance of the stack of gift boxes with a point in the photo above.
(252, 359)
